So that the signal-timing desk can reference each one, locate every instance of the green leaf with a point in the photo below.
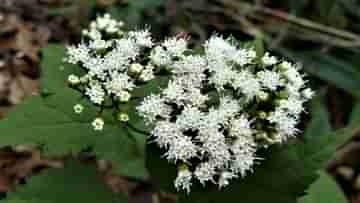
(35, 122)
(324, 7)
(335, 70)
(52, 123)
(319, 125)
(126, 149)
(55, 71)
(324, 190)
(282, 176)
(132, 13)
(355, 115)
(74, 183)
(63, 11)
(351, 7)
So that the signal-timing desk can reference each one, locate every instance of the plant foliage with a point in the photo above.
(75, 183)
(324, 190)
(49, 121)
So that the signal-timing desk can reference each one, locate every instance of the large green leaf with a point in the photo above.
(132, 14)
(74, 184)
(51, 123)
(324, 190)
(282, 177)
(36, 122)
(127, 149)
(355, 115)
(55, 71)
(320, 124)
(324, 7)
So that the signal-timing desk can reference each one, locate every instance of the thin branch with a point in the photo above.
(242, 6)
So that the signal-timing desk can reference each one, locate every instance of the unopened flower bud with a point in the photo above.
(73, 80)
(283, 94)
(147, 74)
(274, 138)
(93, 25)
(285, 66)
(99, 44)
(183, 179)
(262, 115)
(261, 136)
(85, 79)
(136, 68)
(263, 95)
(124, 96)
(98, 124)
(268, 60)
(85, 32)
(123, 117)
(183, 167)
(120, 24)
(78, 108)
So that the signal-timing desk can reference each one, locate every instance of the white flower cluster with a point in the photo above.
(114, 63)
(220, 107)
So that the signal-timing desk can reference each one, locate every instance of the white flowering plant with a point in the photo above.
(114, 63)
(209, 124)
(220, 107)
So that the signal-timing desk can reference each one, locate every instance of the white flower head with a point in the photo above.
(183, 179)
(268, 60)
(99, 44)
(152, 107)
(124, 96)
(76, 54)
(119, 83)
(225, 177)
(270, 79)
(308, 93)
(205, 172)
(219, 48)
(244, 56)
(142, 38)
(160, 57)
(248, 84)
(219, 106)
(241, 127)
(175, 46)
(182, 149)
(147, 74)
(212, 108)
(96, 93)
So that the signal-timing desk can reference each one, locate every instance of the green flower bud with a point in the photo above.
(73, 80)
(262, 115)
(263, 95)
(183, 167)
(135, 69)
(78, 108)
(123, 117)
(283, 94)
